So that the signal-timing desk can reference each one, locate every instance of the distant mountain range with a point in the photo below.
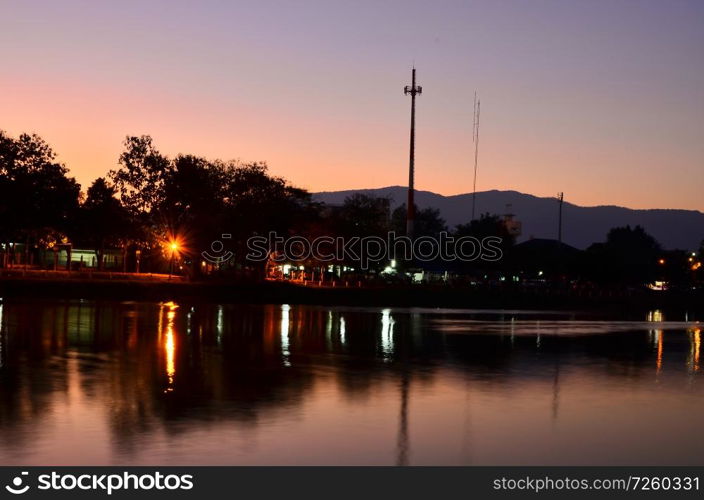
(581, 226)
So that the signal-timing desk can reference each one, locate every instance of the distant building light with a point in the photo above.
(658, 285)
(655, 316)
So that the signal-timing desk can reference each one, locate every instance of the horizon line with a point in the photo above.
(502, 191)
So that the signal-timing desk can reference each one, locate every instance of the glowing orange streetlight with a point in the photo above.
(174, 246)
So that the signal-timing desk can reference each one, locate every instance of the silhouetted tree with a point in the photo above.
(486, 225)
(257, 203)
(142, 175)
(629, 256)
(428, 221)
(363, 215)
(103, 222)
(37, 198)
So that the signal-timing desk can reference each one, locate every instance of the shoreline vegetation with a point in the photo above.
(194, 221)
(631, 303)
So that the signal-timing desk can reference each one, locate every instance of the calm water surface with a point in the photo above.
(86, 382)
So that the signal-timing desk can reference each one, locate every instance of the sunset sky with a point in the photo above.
(603, 100)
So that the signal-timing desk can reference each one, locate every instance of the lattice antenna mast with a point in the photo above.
(413, 90)
(475, 139)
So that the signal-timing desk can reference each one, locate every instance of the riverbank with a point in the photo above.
(628, 303)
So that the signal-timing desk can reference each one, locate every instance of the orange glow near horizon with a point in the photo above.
(566, 105)
(306, 153)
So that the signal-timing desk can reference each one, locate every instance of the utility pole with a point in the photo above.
(560, 197)
(411, 208)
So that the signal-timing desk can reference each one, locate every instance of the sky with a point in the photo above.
(602, 100)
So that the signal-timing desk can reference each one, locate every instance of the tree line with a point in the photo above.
(151, 199)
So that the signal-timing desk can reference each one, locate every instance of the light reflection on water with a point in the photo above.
(85, 382)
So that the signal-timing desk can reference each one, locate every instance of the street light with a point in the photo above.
(174, 246)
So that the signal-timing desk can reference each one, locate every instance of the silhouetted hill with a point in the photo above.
(582, 226)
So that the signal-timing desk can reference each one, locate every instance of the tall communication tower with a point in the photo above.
(413, 89)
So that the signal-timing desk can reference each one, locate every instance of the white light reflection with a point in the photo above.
(387, 333)
(513, 330)
(189, 321)
(342, 330)
(219, 325)
(285, 341)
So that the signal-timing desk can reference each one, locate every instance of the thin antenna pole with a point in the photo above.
(474, 118)
(560, 198)
(476, 155)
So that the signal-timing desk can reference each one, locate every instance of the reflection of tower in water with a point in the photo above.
(391, 348)
(402, 445)
(556, 391)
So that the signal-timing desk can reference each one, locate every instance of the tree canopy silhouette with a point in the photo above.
(38, 199)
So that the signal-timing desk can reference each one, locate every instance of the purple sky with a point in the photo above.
(603, 100)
